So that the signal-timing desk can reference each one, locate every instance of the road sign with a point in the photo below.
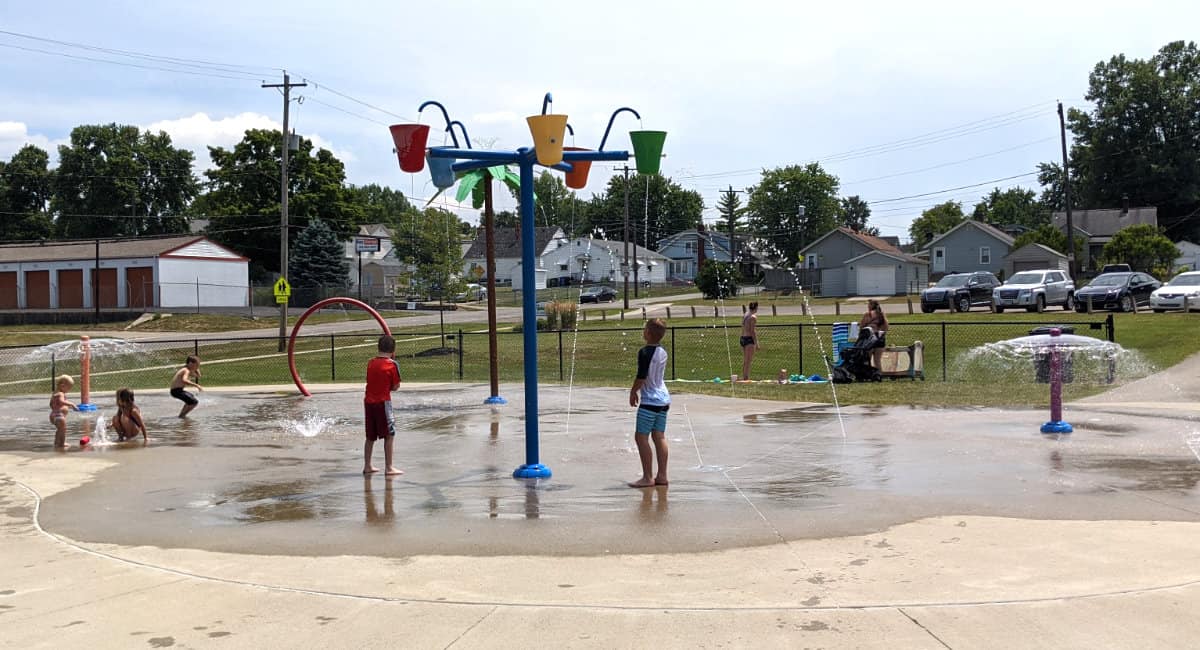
(366, 244)
(283, 291)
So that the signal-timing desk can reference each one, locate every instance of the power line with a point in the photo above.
(126, 64)
(948, 164)
(199, 63)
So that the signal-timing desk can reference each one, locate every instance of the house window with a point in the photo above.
(985, 255)
(562, 267)
(811, 261)
(689, 247)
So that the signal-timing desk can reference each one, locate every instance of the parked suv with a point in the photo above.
(959, 292)
(1035, 290)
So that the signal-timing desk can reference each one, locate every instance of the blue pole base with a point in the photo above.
(495, 399)
(532, 471)
(87, 407)
(1057, 426)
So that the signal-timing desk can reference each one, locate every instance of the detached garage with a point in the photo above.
(170, 272)
(1031, 257)
(880, 273)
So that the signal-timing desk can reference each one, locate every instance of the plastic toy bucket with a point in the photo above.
(547, 131)
(410, 145)
(647, 149)
(577, 177)
(441, 170)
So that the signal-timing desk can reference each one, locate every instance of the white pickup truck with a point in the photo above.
(1035, 290)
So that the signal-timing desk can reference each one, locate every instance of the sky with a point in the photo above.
(895, 99)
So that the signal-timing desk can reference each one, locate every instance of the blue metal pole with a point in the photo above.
(532, 468)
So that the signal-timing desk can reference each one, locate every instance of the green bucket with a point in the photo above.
(647, 150)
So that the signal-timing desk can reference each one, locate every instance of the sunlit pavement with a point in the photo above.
(913, 528)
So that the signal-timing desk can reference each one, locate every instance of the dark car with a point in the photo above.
(598, 294)
(1116, 291)
(959, 292)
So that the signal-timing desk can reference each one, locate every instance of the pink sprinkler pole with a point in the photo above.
(1056, 424)
(85, 374)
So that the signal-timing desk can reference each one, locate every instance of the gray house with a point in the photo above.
(1034, 256)
(1097, 227)
(970, 246)
(682, 249)
(850, 263)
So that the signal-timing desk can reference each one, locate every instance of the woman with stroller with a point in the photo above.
(877, 321)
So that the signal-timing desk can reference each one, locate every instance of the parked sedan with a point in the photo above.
(959, 291)
(1119, 291)
(598, 294)
(1172, 295)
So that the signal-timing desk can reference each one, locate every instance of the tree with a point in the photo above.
(25, 195)
(1050, 177)
(717, 280)
(775, 207)
(854, 214)
(244, 195)
(318, 259)
(1144, 248)
(670, 208)
(1014, 206)
(1140, 140)
(113, 180)
(1049, 236)
(935, 221)
(379, 204)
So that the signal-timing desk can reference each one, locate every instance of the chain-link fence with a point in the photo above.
(604, 356)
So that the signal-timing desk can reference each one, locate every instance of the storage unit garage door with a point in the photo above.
(37, 289)
(70, 289)
(8, 290)
(876, 280)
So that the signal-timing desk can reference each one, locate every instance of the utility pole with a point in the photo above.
(729, 194)
(287, 86)
(1062, 128)
(625, 271)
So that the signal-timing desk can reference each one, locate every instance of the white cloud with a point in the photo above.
(198, 132)
(14, 135)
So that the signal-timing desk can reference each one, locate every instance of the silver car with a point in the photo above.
(1035, 290)
(1183, 290)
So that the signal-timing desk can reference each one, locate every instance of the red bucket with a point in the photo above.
(410, 145)
(577, 177)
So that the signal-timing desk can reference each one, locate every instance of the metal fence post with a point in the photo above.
(799, 348)
(460, 355)
(560, 356)
(944, 352)
(53, 373)
(332, 358)
(196, 347)
(197, 295)
(1110, 326)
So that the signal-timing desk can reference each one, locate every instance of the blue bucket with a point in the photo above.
(440, 170)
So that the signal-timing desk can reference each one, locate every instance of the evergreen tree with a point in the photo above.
(317, 258)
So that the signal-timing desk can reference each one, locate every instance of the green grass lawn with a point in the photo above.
(603, 353)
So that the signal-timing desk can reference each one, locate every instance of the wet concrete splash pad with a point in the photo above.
(267, 472)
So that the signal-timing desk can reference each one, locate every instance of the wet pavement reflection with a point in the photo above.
(277, 473)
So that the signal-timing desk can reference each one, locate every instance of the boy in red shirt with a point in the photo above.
(383, 377)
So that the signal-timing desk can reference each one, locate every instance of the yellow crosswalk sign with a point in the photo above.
(283, 290)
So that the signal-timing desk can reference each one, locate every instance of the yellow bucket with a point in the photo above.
(548, 131)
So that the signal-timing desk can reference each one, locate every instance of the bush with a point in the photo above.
(717, 280)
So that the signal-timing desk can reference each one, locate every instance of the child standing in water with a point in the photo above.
(128, 420)
(649, 394)
(58, 410)
(183, 377)
(383, 377)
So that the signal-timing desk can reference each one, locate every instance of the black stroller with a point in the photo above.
(856, 360)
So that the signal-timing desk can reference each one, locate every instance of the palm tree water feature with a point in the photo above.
(548, 131)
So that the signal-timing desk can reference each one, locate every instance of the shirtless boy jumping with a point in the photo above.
(183, 377)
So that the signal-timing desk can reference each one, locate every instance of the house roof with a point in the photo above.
(508, 242)
(1041, 247)
(1105, 222)
(55, 251)
(989, 229)
(374, 230)
(870, 241)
